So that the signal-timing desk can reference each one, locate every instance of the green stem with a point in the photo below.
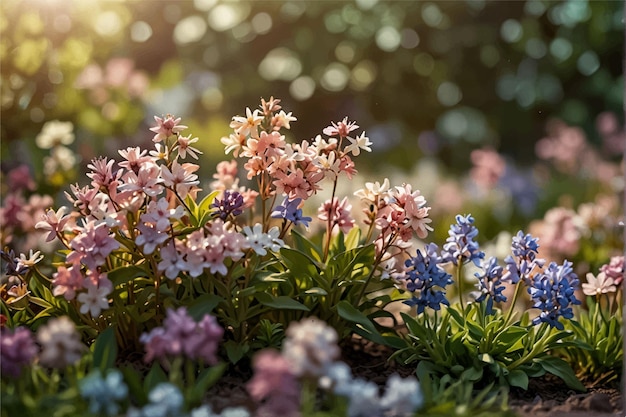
(329, 225)
(459, 280)
(509, 313)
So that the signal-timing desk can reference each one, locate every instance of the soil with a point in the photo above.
(545, 397)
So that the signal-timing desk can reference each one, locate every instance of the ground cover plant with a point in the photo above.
(157, 286)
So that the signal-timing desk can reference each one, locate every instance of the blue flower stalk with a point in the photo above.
(460, 247)
(553, 292)
(490, 284)
(426, 276)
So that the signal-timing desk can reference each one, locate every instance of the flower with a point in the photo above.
(460, 245)
(184, 147)
(614, 269)
(60, 343)
(524, 259)
(274, 385)
(260, 242)
(360, 142)
(310, 346)
(341, 129)
(231, 204)
(248, 124)
(166, 127)
(94, 300)
(403, 396)
(601, 284)
(55, 133)
(289, 211)
(103, 393)
(338, 213)
(17, 349)
(424, 274)
(489, 284)
(552, 292)
(181, 335)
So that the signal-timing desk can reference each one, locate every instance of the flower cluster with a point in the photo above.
(460, 246)
(552, 292)
(181, 335)
(104, 392)
(17, 349)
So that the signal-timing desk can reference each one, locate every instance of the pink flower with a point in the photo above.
(54, 223)
(341, 129)
(60, 343)
(614, 269)
(170, 261)
(489, 166)
(150, 237)
(158, 213)
(339, 213)
(247, 125)
(94, 300)
(184, 147)
(274, 385)
(181, 178)
(135, 158)
(92, 245)
(102, 173)
(166, 127)
(598, 285)
(67, 281)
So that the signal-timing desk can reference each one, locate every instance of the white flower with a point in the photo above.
(55, 133)
(260, 242)
(60, 343)
(600, 285)
(33, 258)
(373, 190)
(402, 396)
(310, 346)
(360, 142)
(94, 300)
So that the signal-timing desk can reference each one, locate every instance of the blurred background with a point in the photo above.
(505, 109)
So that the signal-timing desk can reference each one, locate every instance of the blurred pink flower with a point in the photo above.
(274, 385)
(598, 285)
(614, 269)
(60, 343)
(489, 167)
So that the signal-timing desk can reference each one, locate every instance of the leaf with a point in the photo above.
(558, 367)
(282, 302)
(126, 273)
(155, 376)
(316, 291)
(133, 381)
(518, 378)
(364, 326)
(203, 305)
(105, 350)
(207, 378)
(352, 238)
(235, 351)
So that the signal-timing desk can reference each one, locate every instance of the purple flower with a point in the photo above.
(424, 274)
(17, 349)
(460, 246)
(524, 259)
(553, 291)
(181, 335)
(289, 211)
(231, 204)
(489, 284)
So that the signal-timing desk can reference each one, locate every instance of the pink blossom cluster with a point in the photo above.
(181, 335)
(291, 169)
(399, 213)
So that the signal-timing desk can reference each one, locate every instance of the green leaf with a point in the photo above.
(155, 376)
(352, 238)
(203, 305)
(105, 350)
(235, 351)
(518, 378)
(558, 367)
(207, 378)
(364, 326)
(133, 381)
(126, 273)
(282, 302)
(316, 291)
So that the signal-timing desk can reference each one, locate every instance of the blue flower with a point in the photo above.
(553, 291)
(524, 260)
(232, 203)
(460, 245)
(424, 274)
(490, 284)
(103, 393)
(289, 211)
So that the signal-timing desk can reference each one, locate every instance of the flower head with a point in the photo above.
(232, 203)
(274, 384)
(17, 349)
(489, 284)
(614, 269)
(60, 343)
(290, 210)
(166, 127)
(310, 347)
(601, 284)
(55, 133)
(524, 259)
(552, 292)
(103, 393)
(460, 245)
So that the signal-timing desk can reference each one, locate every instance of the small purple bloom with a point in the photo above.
(289, 211)
(460, 246)
(17, 349)
(231, 204)
(524, 260)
